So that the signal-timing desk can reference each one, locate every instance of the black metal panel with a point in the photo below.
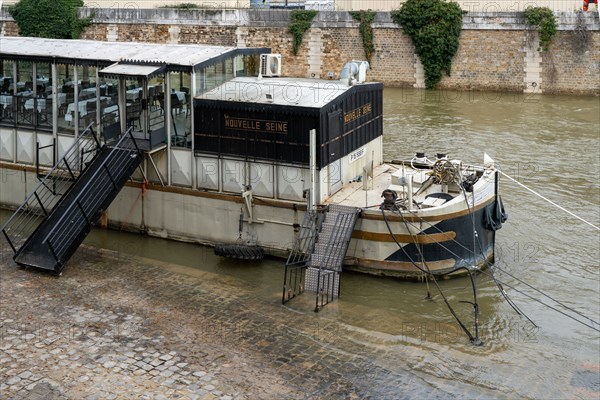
(254, 131)
(361, 109)
(281, 132)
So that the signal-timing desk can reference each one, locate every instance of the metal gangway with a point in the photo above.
(317, 257)
(55, 218)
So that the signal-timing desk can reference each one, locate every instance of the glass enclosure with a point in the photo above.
(88, 100)
(181, 109)
(25, 96)
(65, 98)
(6, 91)
(156, 105)
(109, 109)
(83, 96)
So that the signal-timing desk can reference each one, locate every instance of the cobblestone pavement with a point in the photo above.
(115, 326)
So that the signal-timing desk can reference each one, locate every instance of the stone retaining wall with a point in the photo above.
(497, 51)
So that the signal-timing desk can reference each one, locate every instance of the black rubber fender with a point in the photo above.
(239, 251)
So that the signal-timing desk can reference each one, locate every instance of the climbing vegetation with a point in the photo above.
(300, 23)
(434, 26)
(366, 18)
(543, 19)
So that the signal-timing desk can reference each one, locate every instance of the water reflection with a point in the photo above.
(550, 143)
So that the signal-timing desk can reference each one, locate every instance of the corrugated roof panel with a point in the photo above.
(131, 70)
(173, 54)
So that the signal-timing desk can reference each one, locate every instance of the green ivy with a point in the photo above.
(434, 26)
(544, 20)
(57, 19)
(366, 18)
(301, 21)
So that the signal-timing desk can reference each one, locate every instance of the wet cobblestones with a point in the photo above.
(116, 327)
(134, 328)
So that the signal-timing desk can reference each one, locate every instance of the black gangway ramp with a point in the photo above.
(64, 229)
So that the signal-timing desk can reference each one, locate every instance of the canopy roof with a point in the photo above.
(174, 57)
(132, 70)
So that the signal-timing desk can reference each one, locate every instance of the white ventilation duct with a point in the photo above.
(354, 72)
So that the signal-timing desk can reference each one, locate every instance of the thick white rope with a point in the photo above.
(550, 201)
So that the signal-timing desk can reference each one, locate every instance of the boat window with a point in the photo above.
(65, 98)
(247, 65)
(109, 104)
(88, 100)
(25, 96)
(200, 81)
(156, 106)
(6, 92)
(181, 109)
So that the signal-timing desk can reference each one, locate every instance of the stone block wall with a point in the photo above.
(572, 64)
(489, 59)
(218, 36)
(394, 59)
(280, 41)
(493, 52)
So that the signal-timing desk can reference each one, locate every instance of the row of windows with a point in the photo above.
(29, 97)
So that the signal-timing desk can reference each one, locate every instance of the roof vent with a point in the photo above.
(354, 72)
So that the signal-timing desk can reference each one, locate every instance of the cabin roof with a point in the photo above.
(185, 56)
(293, 92)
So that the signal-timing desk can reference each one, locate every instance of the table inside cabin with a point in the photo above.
(81, 107)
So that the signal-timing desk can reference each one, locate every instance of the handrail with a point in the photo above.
(89, 182)
(33, 193)
(88, 204)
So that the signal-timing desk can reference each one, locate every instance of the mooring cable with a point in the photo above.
(547, 305)
(545, 295)
(498, 284)
(522, 281)
(463, 327)
(550, 201)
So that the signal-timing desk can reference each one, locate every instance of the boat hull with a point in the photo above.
(444, 234)
(446, 248)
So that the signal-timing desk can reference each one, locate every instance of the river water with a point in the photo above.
(549, 143)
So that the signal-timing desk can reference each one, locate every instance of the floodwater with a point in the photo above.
(549, 143)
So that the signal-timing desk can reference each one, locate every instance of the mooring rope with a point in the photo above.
(548, 305)
(460, 323)
(550, 201)
(545, 295)
(485, 260)
(501, 283)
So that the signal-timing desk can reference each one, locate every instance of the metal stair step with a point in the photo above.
(330, 281)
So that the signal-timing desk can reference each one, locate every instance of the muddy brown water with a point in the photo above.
(549, 143)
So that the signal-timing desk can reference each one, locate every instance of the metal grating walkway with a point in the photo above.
(318, 256)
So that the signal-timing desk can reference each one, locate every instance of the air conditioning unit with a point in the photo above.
(270, 65)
